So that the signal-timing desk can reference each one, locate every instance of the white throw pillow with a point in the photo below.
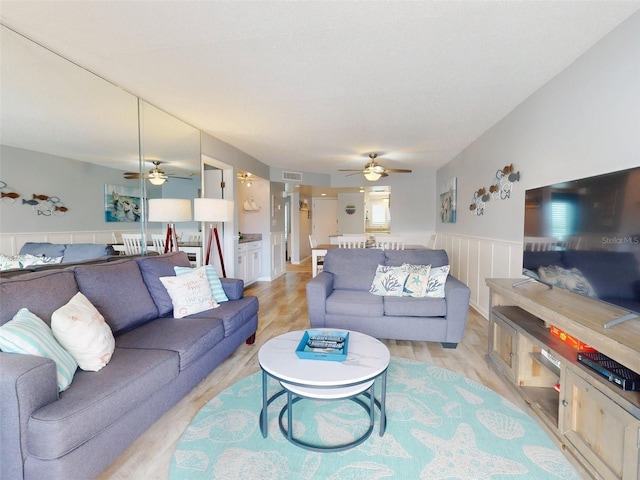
(214, 281)
(190, 293)
(27, 334)
(417, 280)
(389, 281)
(80, 328)
(437, 279)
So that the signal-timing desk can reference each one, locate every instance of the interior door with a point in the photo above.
(325, 218)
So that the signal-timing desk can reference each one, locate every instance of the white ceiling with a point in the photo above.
(317, 85)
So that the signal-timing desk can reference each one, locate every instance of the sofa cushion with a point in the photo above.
(233, 314)
(43, 249)
(415, 307)
(98, 399)
(26, 334)
(191, 338)
(80, 328)
(435, 258)
(153, 268)
(41, 292)
(353, 268)
(354, 302)
(118, 291)
(77, 252)
(190, 293)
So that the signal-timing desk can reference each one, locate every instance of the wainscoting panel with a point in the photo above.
(11, 243)
(473, 259)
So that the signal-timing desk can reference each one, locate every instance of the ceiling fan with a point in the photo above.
(156, 175)
(373, 170)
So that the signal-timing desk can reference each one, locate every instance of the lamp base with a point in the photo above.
(171, 240)
(213, 232)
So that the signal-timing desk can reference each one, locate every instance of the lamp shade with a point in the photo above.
(169, 210)
(212, 210)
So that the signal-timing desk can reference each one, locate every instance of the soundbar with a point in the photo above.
(611, 370)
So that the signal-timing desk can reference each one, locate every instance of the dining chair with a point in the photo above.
(158, 240)
(132, 243)
(197, 238)
(320, 261)
(352, 241)
(389, 242)
(433, 240)
(540, 244)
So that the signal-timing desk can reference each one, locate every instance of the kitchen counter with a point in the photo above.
(250, 237)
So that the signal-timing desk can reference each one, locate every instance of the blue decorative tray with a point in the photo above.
(323, 345)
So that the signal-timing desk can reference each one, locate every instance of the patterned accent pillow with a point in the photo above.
(389, 281)
(437, 279)
(81, 330)
(417, 280)
(572, 279)
(26, 333)
(8, 262)
(190, 293)
(214, 281)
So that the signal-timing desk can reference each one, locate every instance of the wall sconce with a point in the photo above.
(245, 178)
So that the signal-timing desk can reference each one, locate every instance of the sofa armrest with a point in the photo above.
(27, 384)
(233, 288)
(318, 289)
(457, 295)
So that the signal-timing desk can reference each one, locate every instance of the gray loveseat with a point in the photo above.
(338, 297)
(158, 359)
(70, 252)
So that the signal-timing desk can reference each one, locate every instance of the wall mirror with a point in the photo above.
(69, 134)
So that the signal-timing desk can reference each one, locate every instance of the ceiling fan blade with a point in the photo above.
(177, 178)
(344, 170)
(397, 170)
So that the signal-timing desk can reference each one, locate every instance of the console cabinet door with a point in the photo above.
(503, 346)
(600, 429)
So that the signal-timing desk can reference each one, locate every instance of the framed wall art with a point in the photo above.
(448, 202)
(121, 203)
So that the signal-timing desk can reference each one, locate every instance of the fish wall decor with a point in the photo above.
(500, 189)
(46, 205)
(7, 195)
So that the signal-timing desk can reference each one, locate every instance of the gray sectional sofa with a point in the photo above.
(158, 359)
(338, 297)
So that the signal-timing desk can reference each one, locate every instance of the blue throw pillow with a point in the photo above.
(27, 334)
(214, 281)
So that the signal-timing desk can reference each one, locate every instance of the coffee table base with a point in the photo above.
(288, 432)
(292, 399)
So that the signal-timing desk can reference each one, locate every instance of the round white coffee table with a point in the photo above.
(367, 360)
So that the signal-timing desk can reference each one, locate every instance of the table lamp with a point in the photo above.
(170, 210)
(213, 210)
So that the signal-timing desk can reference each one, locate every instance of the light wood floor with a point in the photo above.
(283, 308)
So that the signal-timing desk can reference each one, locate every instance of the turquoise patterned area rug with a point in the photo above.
(441, 425)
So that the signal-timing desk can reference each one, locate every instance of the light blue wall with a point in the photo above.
(583, 122)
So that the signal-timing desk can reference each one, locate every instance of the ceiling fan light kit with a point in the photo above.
(373, 171)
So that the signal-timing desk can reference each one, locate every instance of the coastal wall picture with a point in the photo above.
(121, 203)
(448, 202)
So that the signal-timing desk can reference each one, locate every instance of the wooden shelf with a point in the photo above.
(596, 422)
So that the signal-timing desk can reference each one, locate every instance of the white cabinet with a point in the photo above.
(249, 261)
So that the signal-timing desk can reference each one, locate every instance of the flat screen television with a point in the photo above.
(584, 235)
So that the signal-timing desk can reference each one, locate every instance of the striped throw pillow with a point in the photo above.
(26, 333)
(214, 281)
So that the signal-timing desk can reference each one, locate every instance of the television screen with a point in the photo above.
(584, 236)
